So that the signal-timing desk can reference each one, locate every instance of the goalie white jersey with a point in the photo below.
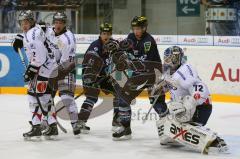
(36, 51)
(188, 83)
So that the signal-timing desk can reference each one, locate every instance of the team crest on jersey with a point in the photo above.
(60, 44)
(41, 86)
(147, 46)
(135, 52)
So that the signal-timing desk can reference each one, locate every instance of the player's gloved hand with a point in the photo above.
(64, 69)
(111, 47)
(30, 73)
(18, 42)
(151, 99)
(126, 44)
(120, 59)
(43, 25)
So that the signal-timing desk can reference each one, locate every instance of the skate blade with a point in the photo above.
(216, 150)
(33, 138)
(52, 137)
(125, 137)
(78, 136)
(172, 144)
(85, 131)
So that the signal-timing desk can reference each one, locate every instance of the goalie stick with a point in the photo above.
(161, 83)
(34, 91)
(154, 102)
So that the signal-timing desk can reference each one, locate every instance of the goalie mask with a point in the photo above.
(173, 58)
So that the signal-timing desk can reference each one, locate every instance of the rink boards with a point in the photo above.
(215, 58)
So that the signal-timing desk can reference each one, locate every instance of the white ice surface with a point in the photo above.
(14, 115)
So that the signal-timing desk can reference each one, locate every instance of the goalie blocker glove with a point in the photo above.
(18, 42)
(30, 73)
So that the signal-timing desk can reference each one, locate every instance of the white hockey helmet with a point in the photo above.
(173, 58)
(26, 15)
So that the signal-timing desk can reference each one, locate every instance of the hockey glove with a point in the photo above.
(126, 44)
(30, 73)
(18, 42)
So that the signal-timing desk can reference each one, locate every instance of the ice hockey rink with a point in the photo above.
(14, 114)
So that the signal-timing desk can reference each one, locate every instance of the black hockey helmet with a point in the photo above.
(26, 15)
(106, 27)
(139, 21)
(61, 16)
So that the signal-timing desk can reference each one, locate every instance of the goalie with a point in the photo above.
(189, 109)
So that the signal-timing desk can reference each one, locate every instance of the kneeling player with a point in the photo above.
(189, 109)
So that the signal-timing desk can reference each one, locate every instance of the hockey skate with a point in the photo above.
(122, 133)
(218, 146)
(51, 132)
(43, 125)
(115, 123)
(76, 129)
(84, 128)
(34, 134)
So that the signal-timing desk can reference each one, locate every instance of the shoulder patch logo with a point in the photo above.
(147, 46)
(95, 49)
(60, 44)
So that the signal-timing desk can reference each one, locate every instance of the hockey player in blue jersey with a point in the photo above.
(143, 51)
(95, 73)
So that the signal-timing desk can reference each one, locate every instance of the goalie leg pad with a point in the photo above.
(195, 137)
(164, 139)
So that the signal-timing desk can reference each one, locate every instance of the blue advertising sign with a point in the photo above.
(11, 69)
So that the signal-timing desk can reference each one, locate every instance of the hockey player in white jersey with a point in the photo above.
(189, 109)
(37, 75)
(61, 41)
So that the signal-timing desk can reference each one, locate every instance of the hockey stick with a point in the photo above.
(34, 91)
(150, 109)
(97, 83)
(161, 83)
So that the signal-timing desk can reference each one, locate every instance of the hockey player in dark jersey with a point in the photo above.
(95, 77)
(143, 50)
